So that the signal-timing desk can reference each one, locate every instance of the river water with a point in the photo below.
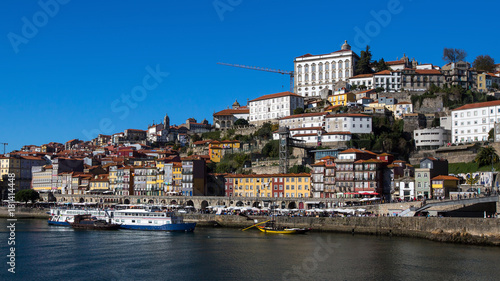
(59, 253)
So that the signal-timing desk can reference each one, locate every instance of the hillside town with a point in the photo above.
(386, 133)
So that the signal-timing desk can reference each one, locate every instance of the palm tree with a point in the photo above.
(486, 156)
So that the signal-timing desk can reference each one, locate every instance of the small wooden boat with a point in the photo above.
(89, 222)
(272, 228)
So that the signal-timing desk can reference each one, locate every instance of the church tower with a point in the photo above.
(166, 122)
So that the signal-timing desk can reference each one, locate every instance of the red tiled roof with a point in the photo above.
(479, 104)
(428, 71)
(348, 115)
(226, 112)
(393, 62)
(383, 72)
(362, 76)
(442, 177)
(366, 91)
(277, 95)
(303, 115)
(306, 128)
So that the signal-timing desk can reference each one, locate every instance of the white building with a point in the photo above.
(402, 108)
(316, 72)
(389, 80)
(270, 108)
(472, 122)
(431, 138)
(348, 122)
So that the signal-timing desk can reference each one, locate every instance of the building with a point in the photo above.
(268, 185)
(348, 122)
(472, 122)
(42, 182)
(443, 185)
(402, 108)
(225, 118)
(421, 79)
(486, 81)
(459, 74)
(194, 174)
(217, 149)
(429, 168)
(99, 184)
(431, 138)
(270, 108)
(199, 128)
(134, 135)
(342, 98)
(316, 72)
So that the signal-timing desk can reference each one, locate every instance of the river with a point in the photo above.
(59, 253)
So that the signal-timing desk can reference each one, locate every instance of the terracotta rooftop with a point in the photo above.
(277, 95)
(479, 104)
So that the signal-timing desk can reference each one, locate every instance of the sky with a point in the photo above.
(75, 69)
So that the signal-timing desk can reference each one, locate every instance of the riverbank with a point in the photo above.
(477, 231)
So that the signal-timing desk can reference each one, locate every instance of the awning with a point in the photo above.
(368, 193)
(312, 202)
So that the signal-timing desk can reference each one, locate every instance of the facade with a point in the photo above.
(358, 171)
(270, 108)
(421, 79)
(226, 118)
(342, 99)
(485, 81)
(402, 108)
(194, 174)
(431, 138)
(472, 122)
(443, 185)
(268, 185)
(217, 149)
(314, 73)
(429, 168)
(348, 122)
(459, 74)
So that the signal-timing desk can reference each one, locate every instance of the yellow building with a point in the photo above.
(100, 183)
(342, 98)
(269, 185)
(216, 149)
(42, 179)
(177, 177)
(442, 185)
(113, 171)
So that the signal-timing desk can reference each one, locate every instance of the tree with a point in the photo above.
(265, 132)
(298, 110)
(495, 86)
(354, 87)
(381, 66)
(485, 63)
(195, 137)
(27, 195)
(486, 156)
(491, 134)
(453, 55)
(241, 122)
(271, 149)
(364, 62)
(297, 169)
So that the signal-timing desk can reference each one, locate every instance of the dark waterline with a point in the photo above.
(57, 253)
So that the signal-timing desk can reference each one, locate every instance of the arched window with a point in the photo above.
(346, 63)
(334, 65)
(307, 77)
(306, 69)
(340, 64)
(299, 69)
(313, 67)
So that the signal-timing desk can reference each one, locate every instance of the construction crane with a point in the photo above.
(264, 69)
(4, 144)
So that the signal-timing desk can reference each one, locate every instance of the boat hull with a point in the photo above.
(181, 227)
(283, 231)
(58, 223)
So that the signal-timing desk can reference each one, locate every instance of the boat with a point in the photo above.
(92, 223)
(272, 228)
(64, 217)
(150, 219)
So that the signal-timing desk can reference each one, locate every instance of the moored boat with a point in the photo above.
(151, 219)
(92, 223)
(272, 228)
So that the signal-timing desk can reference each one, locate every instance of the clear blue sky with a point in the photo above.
(70, 73)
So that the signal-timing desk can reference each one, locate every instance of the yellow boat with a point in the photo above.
(283, 231)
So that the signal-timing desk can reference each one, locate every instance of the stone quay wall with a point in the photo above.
(456, 230)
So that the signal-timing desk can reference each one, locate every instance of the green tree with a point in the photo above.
(354, 87)
(297, 169)
(27, 195)
(195, 137)
(298, 110)
(241, 122)
(271, 149)
(486, 156)
(484, 63)
(491, 134)
(453, 55)
(265, 131)
(381, 66)
(364, 63)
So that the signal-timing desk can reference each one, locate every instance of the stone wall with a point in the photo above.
(460, 230)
